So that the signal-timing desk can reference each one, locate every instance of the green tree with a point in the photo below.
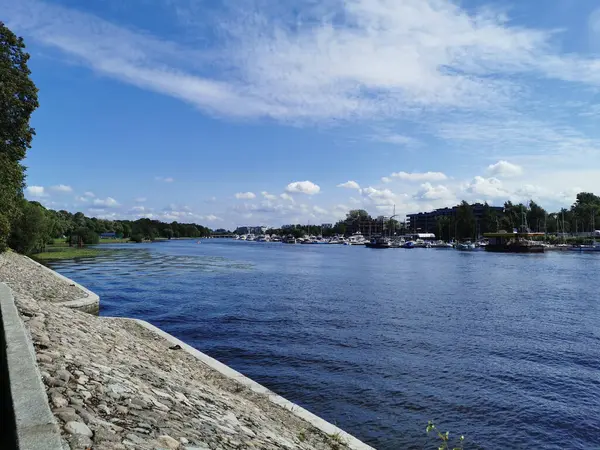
(18, 100)
(357, 214)
(31, 231)
(536, 217)
(465, 221)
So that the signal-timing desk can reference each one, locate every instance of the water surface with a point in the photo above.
(502, 348)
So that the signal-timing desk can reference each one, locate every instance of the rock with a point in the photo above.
(104, 435)
(68, 416)
(80, 442)
(78, 428)
(64, 375)
(59, 401)
(183, 440)
(139, 402)
(122, 409)
(168, 442)
(104, 409)
(44, 358)
(76, 401)
(135, 438)
(56, 382)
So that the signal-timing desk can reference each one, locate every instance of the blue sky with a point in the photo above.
(247, 112)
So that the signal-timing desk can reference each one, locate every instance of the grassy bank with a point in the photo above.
(58, 253)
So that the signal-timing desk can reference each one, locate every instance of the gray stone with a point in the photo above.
(78, 428)
(80, 442)
(135, 438)
(44, 358)
(68, 416)
(168, 442)
(64, 375)
(105, 435)
(55, 382)
(59, 401)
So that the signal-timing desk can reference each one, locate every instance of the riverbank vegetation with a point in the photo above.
(58, 253)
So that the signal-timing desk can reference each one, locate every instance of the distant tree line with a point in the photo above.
(38, 226)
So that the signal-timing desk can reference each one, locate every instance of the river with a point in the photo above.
(502, 348)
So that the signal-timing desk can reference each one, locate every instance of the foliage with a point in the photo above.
(30, 231)
(18, 100)
(4, 232)
(68, 253)
(87, 236)
(137, 237)
(443, 439)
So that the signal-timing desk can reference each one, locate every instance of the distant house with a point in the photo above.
(111, 235)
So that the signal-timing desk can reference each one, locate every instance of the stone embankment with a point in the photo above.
(116, 384)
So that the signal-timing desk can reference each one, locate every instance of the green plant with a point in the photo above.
(443, 439)
(302, 436)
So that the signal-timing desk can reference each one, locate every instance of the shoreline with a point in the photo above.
(122, 383)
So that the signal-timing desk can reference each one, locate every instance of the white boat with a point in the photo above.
(466, 246)
(243, 237)
(250, 237)
(357, 239)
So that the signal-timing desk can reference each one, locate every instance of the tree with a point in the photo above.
(465, 221)
(536, 217)
(31, 230)
(18, 100)
(357, 214)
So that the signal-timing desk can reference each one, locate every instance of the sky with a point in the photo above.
(262, 112)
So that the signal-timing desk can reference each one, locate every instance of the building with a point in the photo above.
(251, 230)
(327, 226)
(111, 235)
(426, 222)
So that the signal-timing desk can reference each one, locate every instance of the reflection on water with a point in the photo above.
(503, 348)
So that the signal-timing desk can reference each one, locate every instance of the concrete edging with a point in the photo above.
(89, 304)
(36, 427)
(228, 372)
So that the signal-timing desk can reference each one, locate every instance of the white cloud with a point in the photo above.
(89, 194)
(140, 199)
(108, 202)
(504, 169)
(420, 177)
(268, 196)
(210, 218)
(386, 180)
(165, 179)
(287, 197)
(487, 187)
(396, 139)
(61, 188)
(431, 192)
(349, 185)
(138, 209)
(379, 196)
(320, 210)
(351, 59)
(36, 191)
(245, 195)
(303, 187)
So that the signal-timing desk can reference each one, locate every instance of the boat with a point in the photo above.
(357, 239)
(409, 244)
(593, 247)
(466, 246)
(441, 245)
(289, 240)
(515, 242)
(379, 242)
